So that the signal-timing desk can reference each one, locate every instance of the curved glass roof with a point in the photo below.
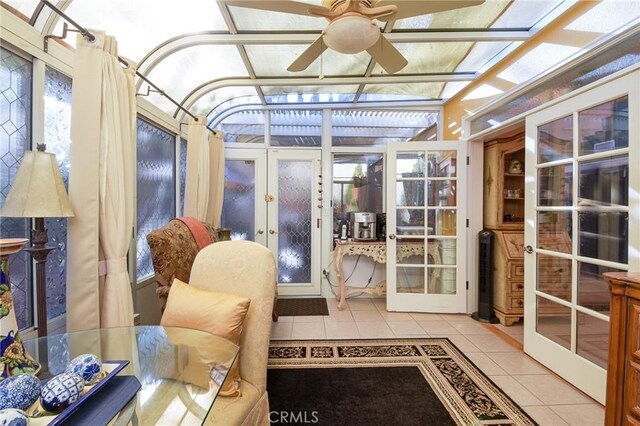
(212, 56)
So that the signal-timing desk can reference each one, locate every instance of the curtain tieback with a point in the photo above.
(112, 266)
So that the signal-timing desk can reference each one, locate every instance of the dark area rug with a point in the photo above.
(302, 307)
(424, 381)
(355, 396)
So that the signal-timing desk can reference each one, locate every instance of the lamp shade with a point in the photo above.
(351, 34)
(38, 189)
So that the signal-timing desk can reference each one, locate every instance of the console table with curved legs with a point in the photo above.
(376, 250)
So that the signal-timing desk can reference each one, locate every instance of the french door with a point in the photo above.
(426, 227)
(582, 183)
(271, 197)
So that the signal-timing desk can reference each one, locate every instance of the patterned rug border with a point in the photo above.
(459, 408)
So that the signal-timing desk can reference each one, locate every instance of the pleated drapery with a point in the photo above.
(216, 190)
(101, 187)
(197, 184)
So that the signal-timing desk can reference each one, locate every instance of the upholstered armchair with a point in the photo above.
(247, 269)
(173, 250)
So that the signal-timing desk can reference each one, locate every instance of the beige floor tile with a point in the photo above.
(367, 315)
(544, 415)
(516, 329)
(461, 342)
(465, 328)
(281, 330)
(458, 318)
(490, 343)
(516, 391)
(552, 390)
(361, 305)
(285, 319)
(396, 316)
(374, 329)
(484, 363)
(518, 363)
(581, 415)
(332, 304)
(341, 329)
(308, 318)
(308, 330)
(406, 329)
(380, 304)
(426, 317)
(437, 327)
(340, 315)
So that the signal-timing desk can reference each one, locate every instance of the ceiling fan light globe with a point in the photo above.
(351, 34)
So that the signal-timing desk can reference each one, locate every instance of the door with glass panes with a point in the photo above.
(426, 227)
(579, 194)
(271, 197)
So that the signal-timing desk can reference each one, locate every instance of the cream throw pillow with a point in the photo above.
(218, 313)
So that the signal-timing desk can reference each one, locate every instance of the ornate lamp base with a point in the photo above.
(14, 359)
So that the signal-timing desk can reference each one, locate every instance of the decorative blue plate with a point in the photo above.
(115, 366)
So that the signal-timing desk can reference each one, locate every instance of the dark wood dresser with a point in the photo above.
(623, 374)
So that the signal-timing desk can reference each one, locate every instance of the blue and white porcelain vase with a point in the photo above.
(14, 359)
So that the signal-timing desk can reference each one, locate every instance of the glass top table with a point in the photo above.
(181, 370)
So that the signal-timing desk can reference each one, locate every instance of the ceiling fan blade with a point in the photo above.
(411, 8)
(307, 57)
(295, 7)
(387, 55)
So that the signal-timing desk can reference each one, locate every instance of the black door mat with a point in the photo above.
(302, 307)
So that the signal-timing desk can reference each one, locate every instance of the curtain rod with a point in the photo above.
(90, 37)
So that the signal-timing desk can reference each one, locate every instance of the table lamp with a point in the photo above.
(38, 192)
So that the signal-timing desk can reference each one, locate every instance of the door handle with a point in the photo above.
(260, 231)
(272, 231)
(528, 249)
(392, 236)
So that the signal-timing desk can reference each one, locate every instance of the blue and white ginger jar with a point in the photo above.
(89, 366)
(61, 391)
(19, 391)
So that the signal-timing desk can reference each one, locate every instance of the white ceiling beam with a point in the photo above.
(210, 86)
(171, 46)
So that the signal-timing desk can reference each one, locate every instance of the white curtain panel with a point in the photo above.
(196, 194)
(216, 189)
(101, 184)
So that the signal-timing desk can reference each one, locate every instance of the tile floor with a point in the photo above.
(547, 398)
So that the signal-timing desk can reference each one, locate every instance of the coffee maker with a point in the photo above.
(363, 226)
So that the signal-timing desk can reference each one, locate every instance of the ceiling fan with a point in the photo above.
(352, 28)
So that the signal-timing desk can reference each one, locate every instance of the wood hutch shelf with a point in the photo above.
(504, 215)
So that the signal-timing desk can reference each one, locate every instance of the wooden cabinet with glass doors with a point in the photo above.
(504, 215)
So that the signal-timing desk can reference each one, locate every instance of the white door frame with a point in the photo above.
(313, 288)
(583, 374)
(412, 302)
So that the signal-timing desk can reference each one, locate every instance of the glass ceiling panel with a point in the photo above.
(481, 16)
(273, 60)
(26, 7)
(617, 13)
(401, 92)
(215, 98)
(453, 87)
(525, 13)
(536, 61)
(141, 25)
(309, 94)
(481, 53)
(264, 20)
(426, 58)
(186, 69)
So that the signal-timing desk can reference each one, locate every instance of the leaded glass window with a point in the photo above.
(183, 172)
(156, 188)
(15, 139)
(57, 136)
